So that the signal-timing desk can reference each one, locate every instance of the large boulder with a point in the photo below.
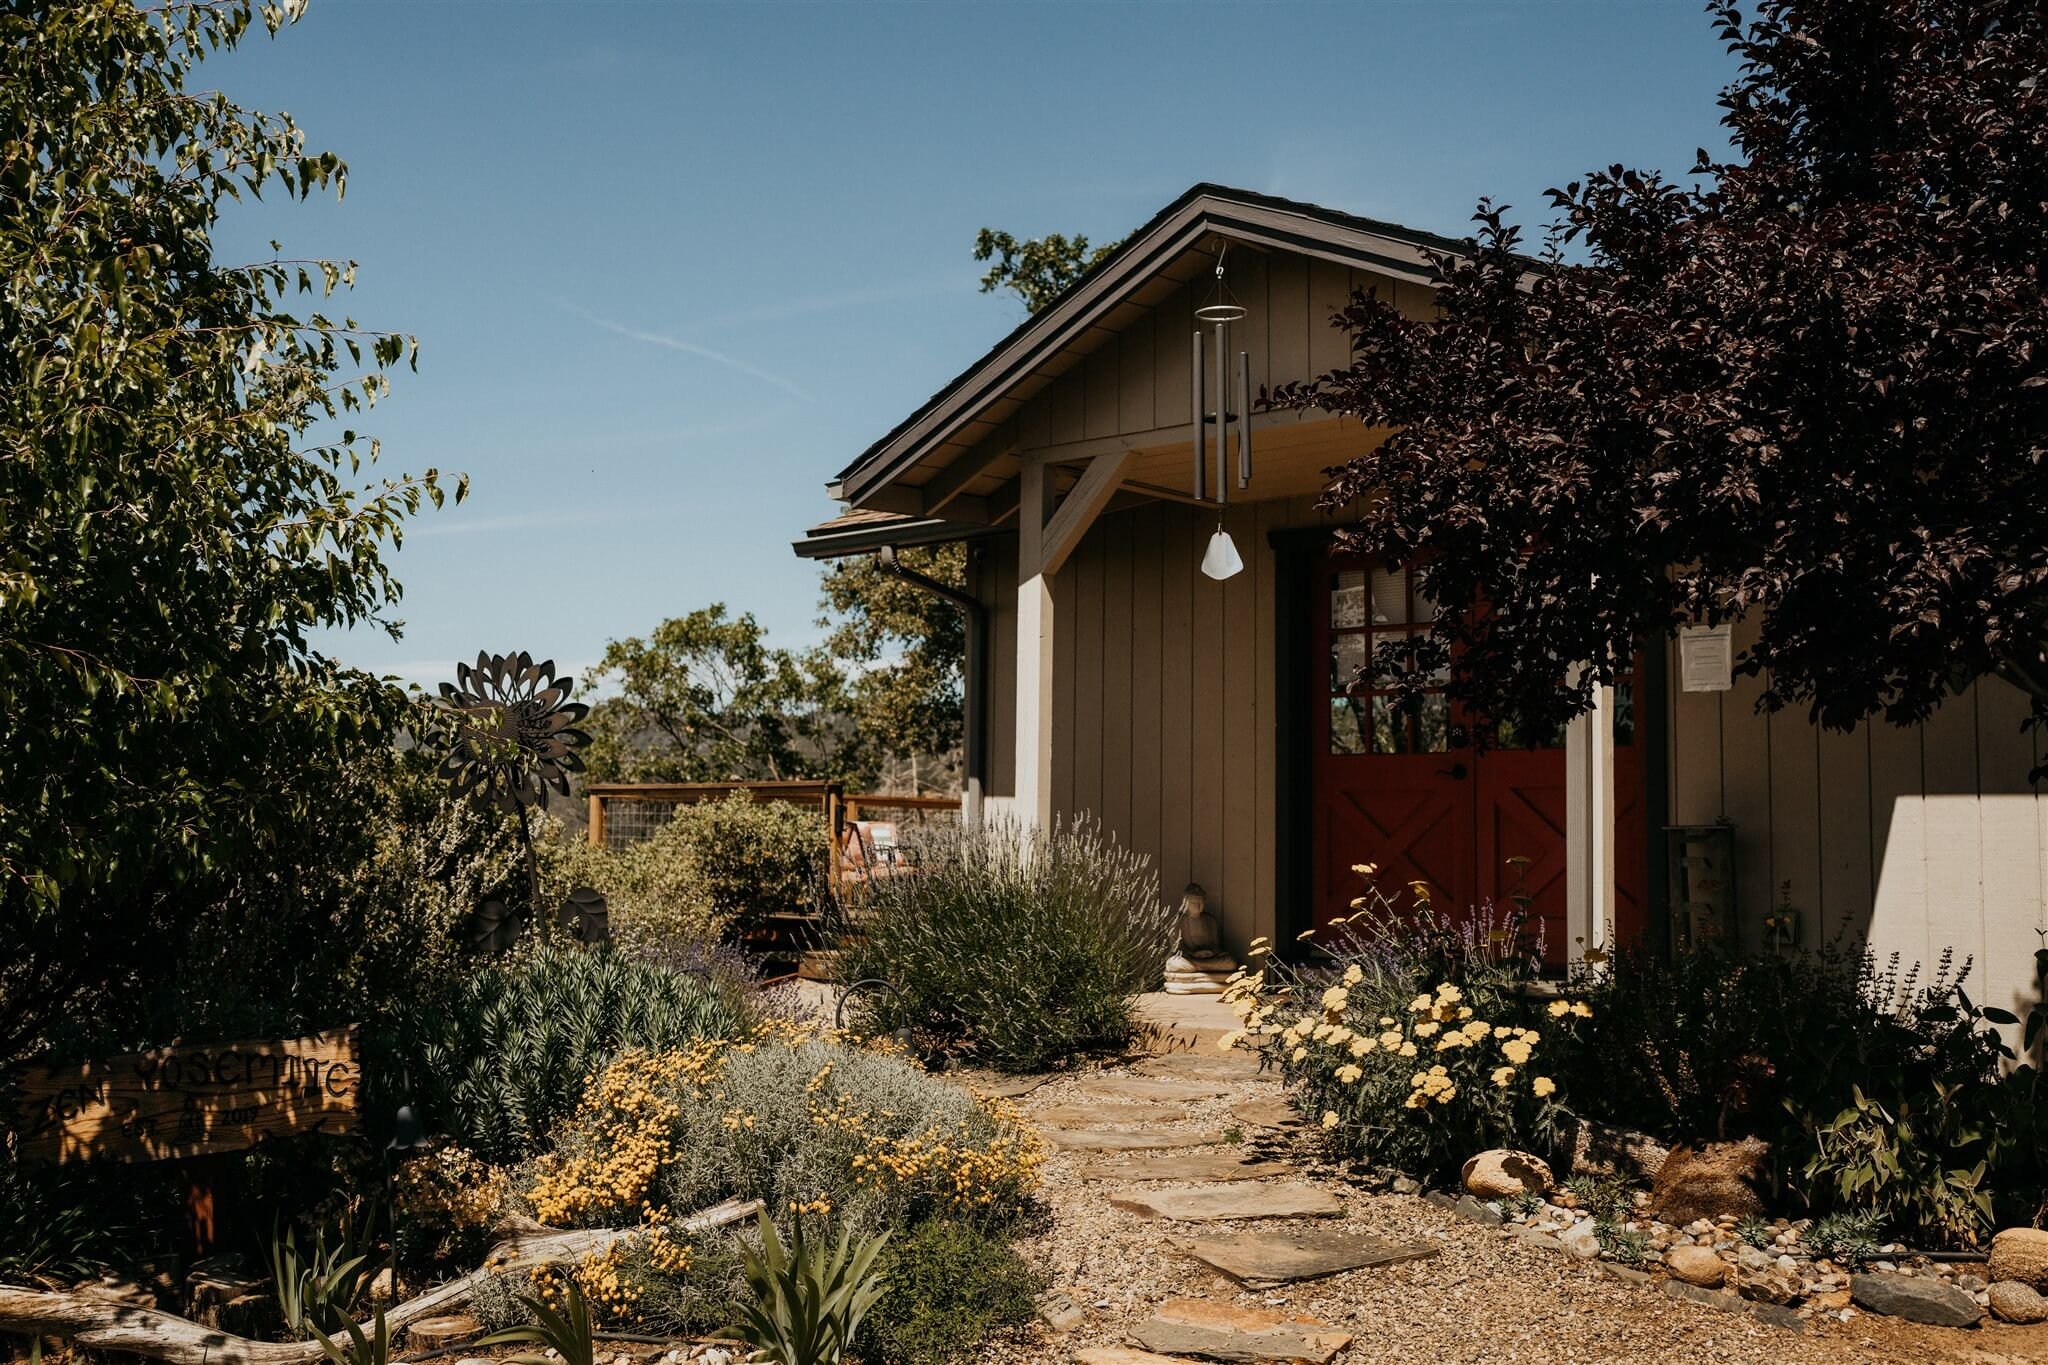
(2012, 1301)
(1719, 1180)
(2020, 1254)
(1696, 1265)
(1597, 1149)
(1503, 1174)
(1916, 1298)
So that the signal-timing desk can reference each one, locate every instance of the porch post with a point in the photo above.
(1589, 827)
(1034, 645)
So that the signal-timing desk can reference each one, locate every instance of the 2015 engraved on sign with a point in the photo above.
(188, 1100)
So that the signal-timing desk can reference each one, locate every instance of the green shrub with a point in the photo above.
(807, 1125)
(1880, 1089)
(1412, 1041)
(1019, 950)
(1756, 1232)
(948, 1287)
(505, 1058)
(711, 1293)
(756, 857)
(655, 890)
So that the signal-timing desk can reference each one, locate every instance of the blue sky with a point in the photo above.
(672, 265)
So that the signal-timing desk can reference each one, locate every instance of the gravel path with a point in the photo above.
(1483, 1297)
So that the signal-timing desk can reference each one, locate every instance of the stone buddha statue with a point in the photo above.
(1199, 966)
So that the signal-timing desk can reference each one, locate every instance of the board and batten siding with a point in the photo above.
(1919, 840)
(1164, 706)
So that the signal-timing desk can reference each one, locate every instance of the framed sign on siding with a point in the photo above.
(190, 1100)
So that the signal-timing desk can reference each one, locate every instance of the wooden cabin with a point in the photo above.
(1209, 724)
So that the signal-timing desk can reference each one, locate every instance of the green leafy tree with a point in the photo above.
(906, 648)
(706, 698)
(1038, 269)
(175, 528)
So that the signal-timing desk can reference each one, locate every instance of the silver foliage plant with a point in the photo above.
(1011, 946)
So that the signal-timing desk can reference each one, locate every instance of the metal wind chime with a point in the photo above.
(1232, 386)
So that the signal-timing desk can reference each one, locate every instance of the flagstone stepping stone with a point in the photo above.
(1000, 1086)
(1100, 1115)
(1123, 1355)
(1226, 1164)
(1128, 1140)
(1266, 1260)
(1155, 1088)
(1220, 1331)
(1223, 1203)
(1273, 1111)
(1207, 1064)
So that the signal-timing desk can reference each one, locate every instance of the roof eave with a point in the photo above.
(1206, 209)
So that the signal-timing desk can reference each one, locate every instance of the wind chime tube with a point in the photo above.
(1244, 418)
(1222, 414)
(1195, 420)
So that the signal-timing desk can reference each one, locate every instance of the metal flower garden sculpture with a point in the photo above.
(515, 738)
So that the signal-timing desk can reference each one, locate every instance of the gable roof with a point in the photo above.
(1237, 215)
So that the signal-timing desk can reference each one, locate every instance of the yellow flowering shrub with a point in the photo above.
(1413, 1041)
(813, 1123)
(446, 1201)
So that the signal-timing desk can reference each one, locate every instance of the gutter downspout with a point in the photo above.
(973, 683)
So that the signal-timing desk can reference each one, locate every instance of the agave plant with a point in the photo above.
(319, 1291)
(373, 1349)
(808, 1299)
(565, 1333)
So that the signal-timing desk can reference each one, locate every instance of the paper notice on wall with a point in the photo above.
(1706, 658)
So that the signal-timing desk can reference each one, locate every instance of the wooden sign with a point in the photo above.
(187, 1101)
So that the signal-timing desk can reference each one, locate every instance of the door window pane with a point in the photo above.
(1389, 597)
(1347, 656)
(1347, 600)
(1433, 726)
(1347, 735)
(1389, 728)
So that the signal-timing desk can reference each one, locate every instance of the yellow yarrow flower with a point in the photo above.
(1353, 974)
(1543, 1086)
(1582, 1010)
(1349, 1074)
(1407, 1049)
(1330, 1119)
(1502, 1075)
(1427, 1028)
(1560, 1008)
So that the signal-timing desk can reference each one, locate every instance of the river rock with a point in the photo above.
(2016, 1302)
(1696, 1265)
(2021, 1255)
(1583, 1240)
(1501, 1174)
(1916, 1299)
(1717, 1181)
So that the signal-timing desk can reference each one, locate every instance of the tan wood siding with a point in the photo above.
(1172, 700)
(1920, 841)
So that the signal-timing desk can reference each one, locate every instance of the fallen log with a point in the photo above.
(105, 1325)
